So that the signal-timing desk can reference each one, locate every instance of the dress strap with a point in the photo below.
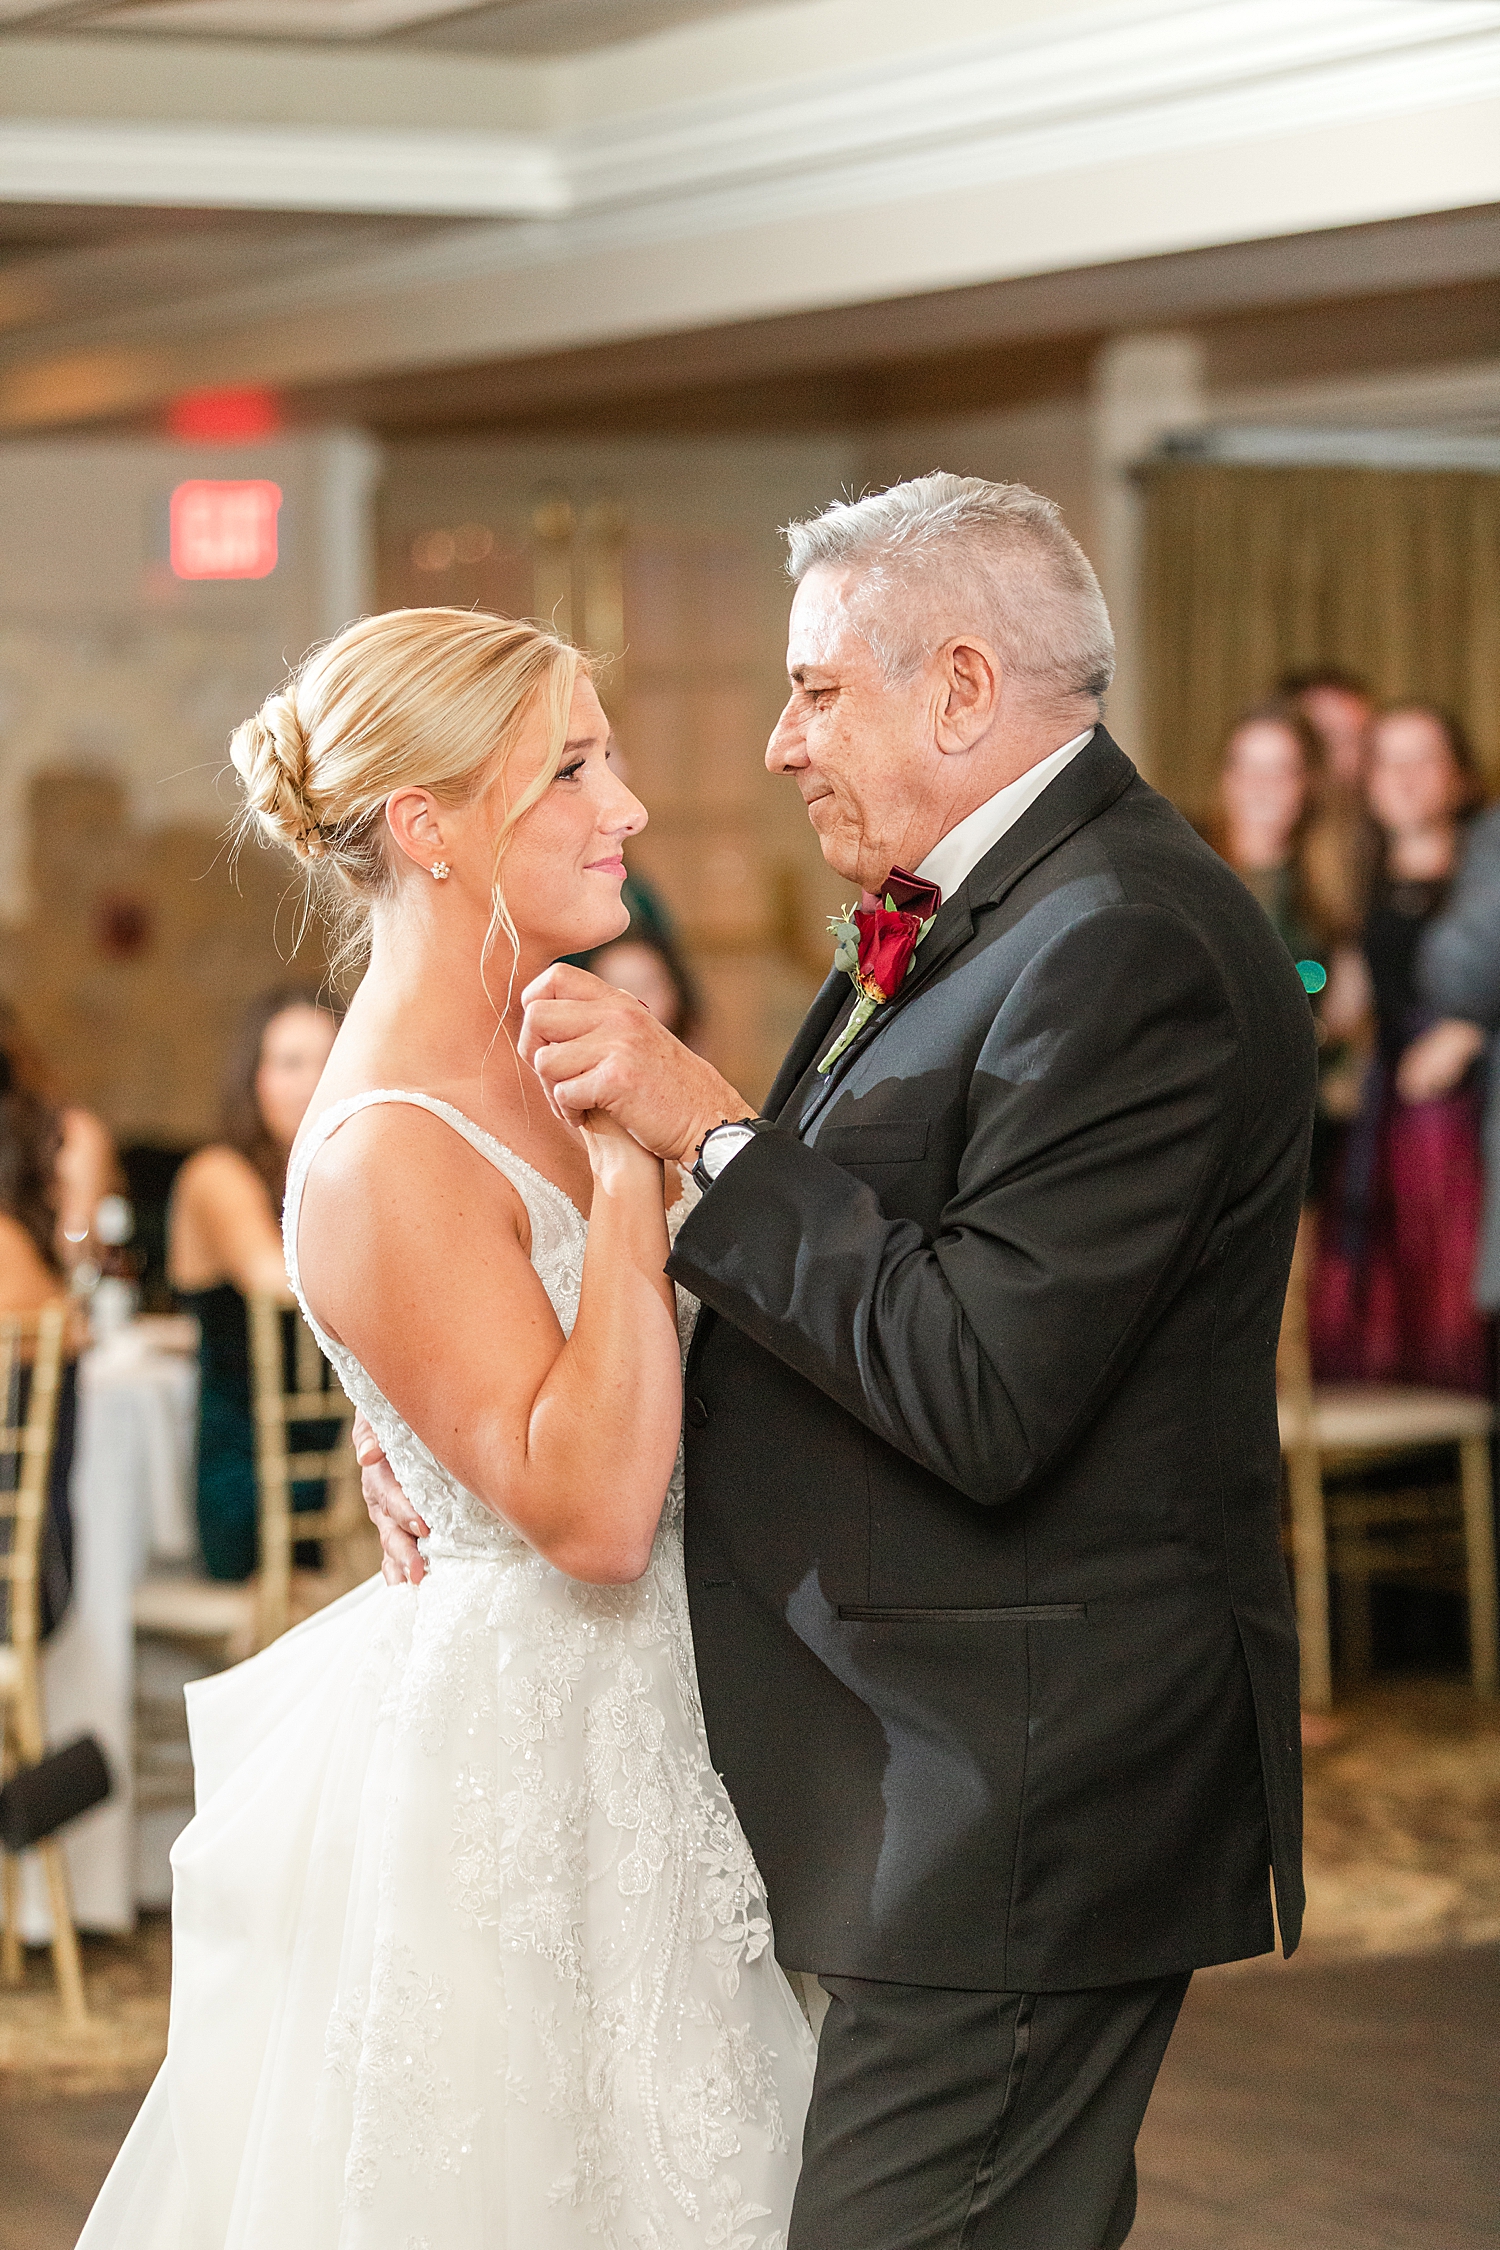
(523, 1177)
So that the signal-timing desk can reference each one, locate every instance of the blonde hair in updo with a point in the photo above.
(413, 699)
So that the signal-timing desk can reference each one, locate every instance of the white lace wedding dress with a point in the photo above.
(469, 1951)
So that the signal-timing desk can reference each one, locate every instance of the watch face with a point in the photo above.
(722, 1143)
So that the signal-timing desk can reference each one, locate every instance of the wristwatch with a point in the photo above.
(723, 1141)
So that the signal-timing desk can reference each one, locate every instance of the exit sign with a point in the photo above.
(224, 529)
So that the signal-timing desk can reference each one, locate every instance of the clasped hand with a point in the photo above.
(594, 1047)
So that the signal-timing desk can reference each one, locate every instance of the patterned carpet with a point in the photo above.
(128, 1981)
(1403, 1825)
(1403, 1856)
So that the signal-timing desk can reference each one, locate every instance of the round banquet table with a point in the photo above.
(132, 1501)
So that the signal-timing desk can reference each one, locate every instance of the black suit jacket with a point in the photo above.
(993, 1629)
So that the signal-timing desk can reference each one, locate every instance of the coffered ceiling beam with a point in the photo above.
(281, 168)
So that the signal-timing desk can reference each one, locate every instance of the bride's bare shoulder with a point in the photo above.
(397, 1163)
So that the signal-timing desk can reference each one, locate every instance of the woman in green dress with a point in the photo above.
(224, 1242)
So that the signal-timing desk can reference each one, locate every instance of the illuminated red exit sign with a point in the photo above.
(224, 530)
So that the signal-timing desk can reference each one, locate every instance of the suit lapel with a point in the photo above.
(1087, 786)
(815, 1030)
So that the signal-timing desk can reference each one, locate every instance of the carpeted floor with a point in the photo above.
(1347, 2106)
(119, 2049)
(1403, 1823)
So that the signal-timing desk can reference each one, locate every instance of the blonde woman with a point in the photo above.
(469, 1948)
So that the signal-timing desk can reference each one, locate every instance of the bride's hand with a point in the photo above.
(616, 1157)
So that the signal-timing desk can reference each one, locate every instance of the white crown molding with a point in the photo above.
(1085, 87)
(1316, 446)
(1460, 397)
(1023, 103)
(280, 168)
(302, 19)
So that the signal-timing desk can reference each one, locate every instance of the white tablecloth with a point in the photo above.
(132, 1498)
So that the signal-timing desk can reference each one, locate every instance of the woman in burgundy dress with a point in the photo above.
(1391, 1295)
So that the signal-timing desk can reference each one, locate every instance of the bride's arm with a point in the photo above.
(410, 1251)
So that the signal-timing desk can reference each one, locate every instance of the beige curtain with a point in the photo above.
(1250, 572)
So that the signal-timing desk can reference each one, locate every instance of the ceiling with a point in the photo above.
(493, 27)
(481, 232)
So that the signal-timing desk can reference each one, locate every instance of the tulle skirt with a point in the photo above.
(469, 1952)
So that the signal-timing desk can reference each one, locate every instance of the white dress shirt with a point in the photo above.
(950, 863)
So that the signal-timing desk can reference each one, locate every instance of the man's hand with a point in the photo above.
(1435, 1062)
(392, 1514)
(594, 1047)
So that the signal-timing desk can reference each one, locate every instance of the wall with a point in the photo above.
(127, 937)
(143, 948)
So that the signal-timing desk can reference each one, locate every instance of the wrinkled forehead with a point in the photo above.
(822, 628)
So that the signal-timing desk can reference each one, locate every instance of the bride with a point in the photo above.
(468, 1947)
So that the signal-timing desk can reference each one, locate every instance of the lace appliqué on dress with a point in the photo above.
(384, 2046)
(585, 1846)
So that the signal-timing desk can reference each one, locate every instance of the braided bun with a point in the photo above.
(271, 756)
(417, 698)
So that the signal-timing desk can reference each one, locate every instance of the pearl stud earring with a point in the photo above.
(441, 871)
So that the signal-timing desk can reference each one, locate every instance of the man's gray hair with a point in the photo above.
(962, 555)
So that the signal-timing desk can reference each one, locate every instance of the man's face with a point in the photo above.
(861, 751)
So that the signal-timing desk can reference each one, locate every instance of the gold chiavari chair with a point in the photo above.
(31, 1355)
(1360, 1535)
(302, 1425)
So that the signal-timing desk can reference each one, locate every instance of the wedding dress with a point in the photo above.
(469, 1951)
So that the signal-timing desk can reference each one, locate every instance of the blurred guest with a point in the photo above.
(1340, 709)
(32, 1277)
(1270, 791)
(1342, 847)
(30, 1132)
(86, 1166)
(649, 965)
(1267, 789)
(1391, 1298)
(224, 1243)
(1458, 976)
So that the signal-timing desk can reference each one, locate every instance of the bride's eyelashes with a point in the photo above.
(575, 766)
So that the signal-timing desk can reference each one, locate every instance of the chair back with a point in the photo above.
(31, 1357)
(1294, 1386)
(302, 1426)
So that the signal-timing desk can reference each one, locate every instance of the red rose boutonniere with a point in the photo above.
(874, 945)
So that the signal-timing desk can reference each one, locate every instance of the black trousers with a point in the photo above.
(978, 2120)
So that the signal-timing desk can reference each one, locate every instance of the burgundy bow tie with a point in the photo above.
(907, 893)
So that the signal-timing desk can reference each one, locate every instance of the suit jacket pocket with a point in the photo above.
(1009, 1613)
(898, 1140)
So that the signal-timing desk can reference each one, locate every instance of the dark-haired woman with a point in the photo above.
(1267, 824)
(31, 1278)
(85, 1167)
(1267, 790)
(224, 1244)
(1390, 1300)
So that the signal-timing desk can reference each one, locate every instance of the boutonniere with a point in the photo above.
(874, 944)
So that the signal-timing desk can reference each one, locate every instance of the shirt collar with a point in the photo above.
(953, 860)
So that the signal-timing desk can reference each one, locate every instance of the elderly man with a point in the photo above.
(993, 1630)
